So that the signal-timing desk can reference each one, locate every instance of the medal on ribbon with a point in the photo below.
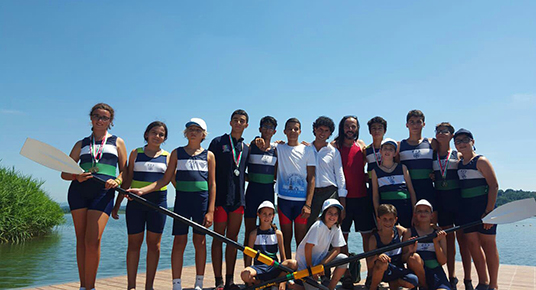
(96, 153)
(377, 156)
(236, 158)
(443, 168)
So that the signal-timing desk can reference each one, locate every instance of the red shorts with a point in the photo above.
(220, 214)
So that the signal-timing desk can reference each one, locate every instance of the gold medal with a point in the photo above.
(94, 169)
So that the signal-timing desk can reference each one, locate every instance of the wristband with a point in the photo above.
(307, 206)
(118, 181)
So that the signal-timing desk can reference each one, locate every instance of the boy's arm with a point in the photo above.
(409, 184)
(209, 216)
(440, 247)
(408, 250)
(251, 244)
(306, 209)
(397, 155)
(372, 246)
(375, 193)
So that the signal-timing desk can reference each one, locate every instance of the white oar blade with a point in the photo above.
(49, 156)
(512, 212)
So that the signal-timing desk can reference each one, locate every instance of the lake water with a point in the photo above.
(52, 260)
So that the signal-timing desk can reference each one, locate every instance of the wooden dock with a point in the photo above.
(511, 277)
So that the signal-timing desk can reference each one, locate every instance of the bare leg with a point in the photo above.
(451, 253)
(133, 258)
(200, 253)
(300, 230)
(153, 255)
(79, 220)
(337, 274)
(286, 229)
(177, 255)
(96, 222)
(250, 226)
(377, 274)
(216, 250)
(473, 242)
(492, 258)
(233, 227)
(465, 253)
(416, 264)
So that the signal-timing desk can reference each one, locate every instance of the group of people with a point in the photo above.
(390, 191)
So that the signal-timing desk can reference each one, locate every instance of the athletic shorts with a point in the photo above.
(190, 205)
(92, 195)
(139, 215)
(472, 210)
(221, 213)
(321, 194)
(394, 273)
(424, 189)
(436, 278)
(256, 193)
(403, 209)
(360, 212)
(290, 211)
(265, 272)
(448, 207)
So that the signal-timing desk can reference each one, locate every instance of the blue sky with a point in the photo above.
(472, 63)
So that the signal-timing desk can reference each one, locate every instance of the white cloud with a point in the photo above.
(11, 112)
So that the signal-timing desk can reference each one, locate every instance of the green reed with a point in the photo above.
(26, 211)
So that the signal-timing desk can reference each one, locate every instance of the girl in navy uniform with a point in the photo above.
(101, 154)
(146, 165)
(194, 170)
(479, 188)
(391, 184)
(267, 239)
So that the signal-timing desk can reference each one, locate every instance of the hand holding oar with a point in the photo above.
(53, 158)
(507, 213)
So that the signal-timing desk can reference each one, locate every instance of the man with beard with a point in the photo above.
(357, 204)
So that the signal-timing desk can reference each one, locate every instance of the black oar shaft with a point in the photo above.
(199, 227)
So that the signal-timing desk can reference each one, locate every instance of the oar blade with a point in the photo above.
(49, 156)
(512, 212)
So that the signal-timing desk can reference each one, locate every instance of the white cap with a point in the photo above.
(390, 141)
(424, 202)
(331, 202)
(198, 122)
(264, 204)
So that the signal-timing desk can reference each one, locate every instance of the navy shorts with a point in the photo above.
(424, 189)
(265, 272)
(394, 273)
(403, 209)
(190, 205)
(139, 215)
(472, 210)
(255, 195)
(448, 207)
(359, 211)
(92, 195)
(436, 278)
(290, 211)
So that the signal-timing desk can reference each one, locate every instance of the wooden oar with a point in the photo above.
(508, 213)
(53, 158)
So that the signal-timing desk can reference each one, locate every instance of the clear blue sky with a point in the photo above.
(472, 63)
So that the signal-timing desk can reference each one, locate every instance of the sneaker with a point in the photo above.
(232, 287)
(482, 287)
(219, 287)
(468, 284)
(198, 288)
(453, 282)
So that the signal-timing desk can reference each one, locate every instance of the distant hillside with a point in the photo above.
(506, 196)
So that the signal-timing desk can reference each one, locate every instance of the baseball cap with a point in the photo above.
(198, 122)
(264, 204)
(331, 202)
(463, 131)
(390, 141)
(424, 202)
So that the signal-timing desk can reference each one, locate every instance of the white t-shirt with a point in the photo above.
(329, 169)
(322, 237)
(292, 171)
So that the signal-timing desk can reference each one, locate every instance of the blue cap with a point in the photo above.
(463, 131)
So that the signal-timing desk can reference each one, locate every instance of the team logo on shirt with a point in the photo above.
(265, 159)
(416, 153)
(391, 179)
(150, 167)
(463, 173)
(225, 148)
